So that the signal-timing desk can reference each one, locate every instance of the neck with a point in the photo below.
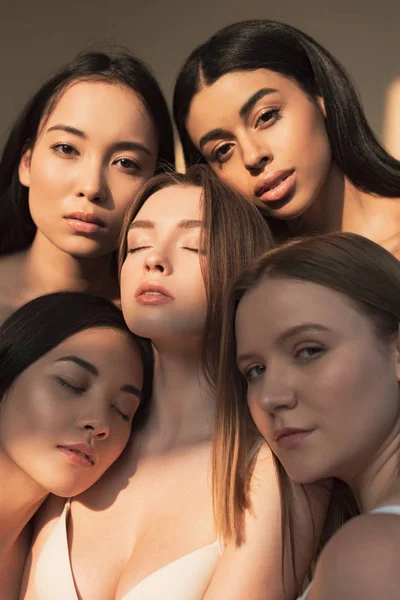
(183, 406)
(47, 269)
(339, 206)
(20, 498)
(379, 481)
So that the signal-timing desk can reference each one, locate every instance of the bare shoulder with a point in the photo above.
(43, 524)
(360, 561)
(253, 570)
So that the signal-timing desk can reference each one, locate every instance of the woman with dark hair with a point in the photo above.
(72, 376)
(183, 239)
(277, 116)
(311, 351)
(79, 152)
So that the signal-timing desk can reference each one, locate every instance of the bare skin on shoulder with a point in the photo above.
(81, 150)
(69, 390)
(153, 512)
(316, 329)
(276, 115)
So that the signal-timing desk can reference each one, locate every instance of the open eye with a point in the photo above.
(127, 164)
(221, 153)
(64, 149)
(309, 352)
(254, 372)
(268, 117)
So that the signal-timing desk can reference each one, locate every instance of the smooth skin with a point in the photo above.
(84, 391)
(94, 151)
(252, 124)
(313, 361)
(165, 472)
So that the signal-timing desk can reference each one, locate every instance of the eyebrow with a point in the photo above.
(94, 371)
(122, 145)
(184, 224)
(217, 133)
(292, 331)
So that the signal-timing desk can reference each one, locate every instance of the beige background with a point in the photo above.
(38, 35)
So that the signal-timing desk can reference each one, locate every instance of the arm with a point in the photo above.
(361, 561)
(44, 522)
(253, 571)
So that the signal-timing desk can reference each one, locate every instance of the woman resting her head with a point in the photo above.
(71, 380)
(79, 152)
(311, 344)
(183, 239)
(277, 116)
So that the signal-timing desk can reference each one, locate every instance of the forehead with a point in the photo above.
(98, 107)
(171, 204)
(276, 305)
(230, 92)
(97, 343)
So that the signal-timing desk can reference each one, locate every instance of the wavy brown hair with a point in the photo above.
(347, 263)
(233, 234)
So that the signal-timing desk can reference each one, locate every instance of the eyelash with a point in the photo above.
(58, 149)
(133, 250)
(272, 112)
(316, 352)
(80, 391)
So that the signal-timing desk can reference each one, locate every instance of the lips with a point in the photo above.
(290, 437)
(276, 186)
(153, 289)
(84, 451)
(85, 217)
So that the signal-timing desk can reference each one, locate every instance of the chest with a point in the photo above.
(163, 513)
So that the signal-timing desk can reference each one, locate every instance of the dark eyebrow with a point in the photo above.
(131, 389)
(248, 105)
(79, 361)
(94, 371)
(218, 133)
(122, 145)
(287, 335)
(184, 224)
(68, 129)
(135, 146)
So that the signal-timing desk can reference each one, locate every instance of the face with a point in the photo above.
(261, 133)
(162, 287)
(68, 416)
(322, 388)
(93, 153)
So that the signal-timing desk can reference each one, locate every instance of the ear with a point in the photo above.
(24, 169)
(321, 105)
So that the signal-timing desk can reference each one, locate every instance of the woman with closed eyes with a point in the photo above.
(275, 114)
(72, 377)
(184, 238)
(311, 353)
(83, 146)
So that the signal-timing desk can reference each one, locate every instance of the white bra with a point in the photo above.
(186, 578)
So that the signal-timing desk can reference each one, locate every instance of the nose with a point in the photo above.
(97, 423)
(91, 184)
(256, 153)
(158, 262)
(276, 396)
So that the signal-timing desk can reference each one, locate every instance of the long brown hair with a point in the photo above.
(233, 234)
(346, 263)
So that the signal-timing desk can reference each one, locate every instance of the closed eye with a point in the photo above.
(75, 390)
(123, 415)
(196, 250)
(136, 249)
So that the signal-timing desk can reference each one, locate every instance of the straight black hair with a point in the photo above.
(43, 323)
(17, 229)
(264, 44)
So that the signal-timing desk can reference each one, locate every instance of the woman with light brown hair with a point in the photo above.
(311, 356)
(184, 238)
